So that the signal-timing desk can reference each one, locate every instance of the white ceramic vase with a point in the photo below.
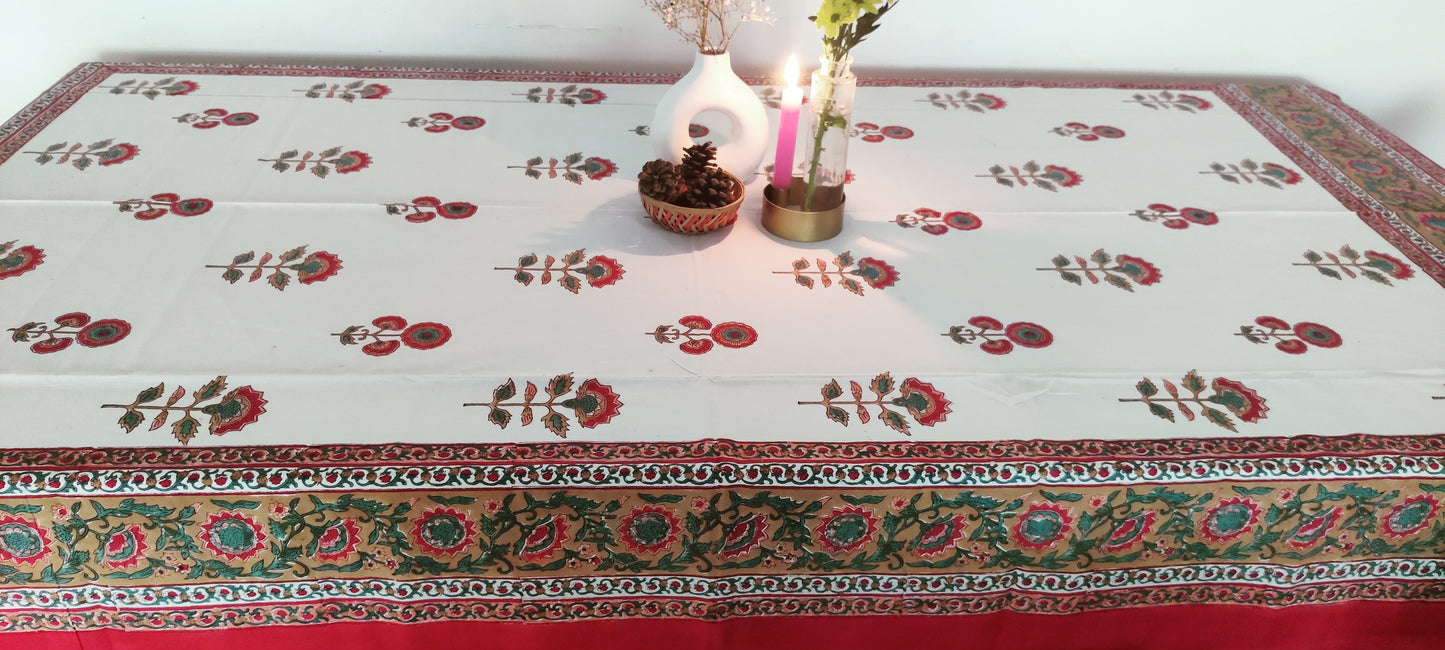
(712, 85)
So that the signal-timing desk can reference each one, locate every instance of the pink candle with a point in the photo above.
(788, 128)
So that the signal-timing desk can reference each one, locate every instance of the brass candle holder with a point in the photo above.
(784, 216)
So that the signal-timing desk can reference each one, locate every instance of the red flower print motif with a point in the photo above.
(1198, 103)
(599, 270)
(321, 165)
(338, 541)
(921, 400)
(1126, 270)
(352, 161)
(124, 547)
(1138, 269)
(1043, 525)
(1081, 131)
(567, 95)
(425, 336)
(870, 132)
(937, 538)
(118, 153)
(443, 532)
(18, 260)
(1049, 177)
(106, 152)
(22, 541)
(316, 267)
(590, 96)
(1431, 221)
(1289, 339)
(743, 536)
(1228, 520)
(978, 103)
(935, 223)
(572, 167)
(1316, 334)
(425, 208)
(373, 91)
(544, 539)
(1313, 528)
(924, 402)
(1029, 335)
(650, 529)
(153, 89)
(846, 529)
(232, 536)
(391, 332)
(595, 404)
(237, 409)
(1129, 531)
(697, 131)
(1247, 171)
(1176, 219)
(877, 273)
(443, 122)
(733, 334)
(72, 327)
(1368, 167)
(1230, 395)
(700, 334)
(181, 88)
(1409, 517)
(102, 333)
(985, 322)
(159, 205)
(1394, 267)
(214, 117)
(1242, 400)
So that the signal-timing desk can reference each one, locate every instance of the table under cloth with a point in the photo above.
(295, 345)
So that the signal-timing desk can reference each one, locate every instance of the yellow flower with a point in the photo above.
(834, 14)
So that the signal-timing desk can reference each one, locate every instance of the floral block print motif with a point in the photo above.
(1050, 177)
(1124, 268)
(389, 333)
(1230, 395)
(443, 122)
(694, 130)
(599, 270)
(74, 327)
(425, 208)
(573, 168)
(998, 339)
(922, 401)
(935, 223)
(594, 403)
(701, 334)
(159, 205)
(1248, 171)
(1291, 339)
(214, 117)
(17, 260)
(313, 268)
(1086, 133)
(567, 95)
(321, 164)
(1164, 100)
(232, 411)
(348, 93)
(105, 152)
(1373, 265)
(1176, 219)
(870, 132)
(875, 273)
(170, 87)
(977, 103)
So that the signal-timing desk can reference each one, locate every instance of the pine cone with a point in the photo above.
(661, 180)
(713, 189)
(697, 159)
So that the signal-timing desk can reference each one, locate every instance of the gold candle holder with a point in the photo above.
(784, 216)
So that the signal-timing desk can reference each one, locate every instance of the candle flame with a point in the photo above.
(791, 71)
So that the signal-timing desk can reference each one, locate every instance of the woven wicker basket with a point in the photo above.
(694, 221)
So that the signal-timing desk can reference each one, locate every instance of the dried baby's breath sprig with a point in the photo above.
(709, 24)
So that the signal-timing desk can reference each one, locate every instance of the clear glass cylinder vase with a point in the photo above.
(824, 135)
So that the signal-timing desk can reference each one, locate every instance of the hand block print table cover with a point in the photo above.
(293, 345)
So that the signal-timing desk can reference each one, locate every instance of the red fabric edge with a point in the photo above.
(1397, 626)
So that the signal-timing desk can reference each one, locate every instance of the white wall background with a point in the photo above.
(1384, 57)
